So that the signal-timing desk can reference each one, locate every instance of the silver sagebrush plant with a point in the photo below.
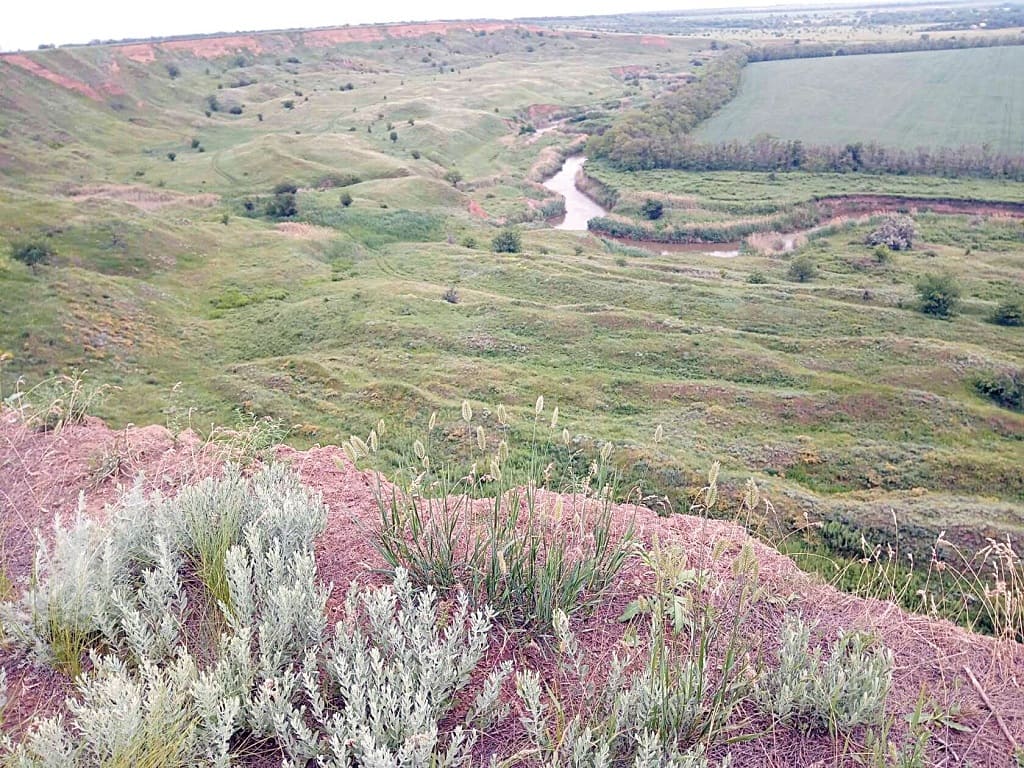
(392, 670)
(838, 694)
(372, 696)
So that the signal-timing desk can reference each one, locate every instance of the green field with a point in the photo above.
(933, 98)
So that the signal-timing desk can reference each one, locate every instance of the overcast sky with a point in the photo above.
(27, 23)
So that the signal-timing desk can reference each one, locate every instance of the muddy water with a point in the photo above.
(579, 208)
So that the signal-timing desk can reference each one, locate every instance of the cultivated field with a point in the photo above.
(929, 98)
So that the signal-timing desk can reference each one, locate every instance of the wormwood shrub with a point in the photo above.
(373, 696)
(667, 702)
(478, 530)
(121, 585)
(838, 694)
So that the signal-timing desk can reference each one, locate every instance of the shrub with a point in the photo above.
(281, 206)
(652, 209)
(288, 103)
(172, 156)
(345, 199)
(847, 690)
(453, 177)
(757, 278)
(1005, 389)
(897, 233)
(1009, 313)
(939, 295)
(451, 295)
(507, 241)
(195, 143)
(212, 104)
(173, 71)
(393, 136)
(415, 154)
(802, 269)
(32, 253)
(883, 254)
(236, 110)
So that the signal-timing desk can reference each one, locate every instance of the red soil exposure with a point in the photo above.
(43, 473)
(337, 35)
(838, 205)
(39, 70)
(477, 210)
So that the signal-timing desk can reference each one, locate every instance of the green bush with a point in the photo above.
(939, 295)
(345, 199)
(1009, 313)
(1005, 389)
(652, 209)
(32, 253)
(802, 269)
(507, 241)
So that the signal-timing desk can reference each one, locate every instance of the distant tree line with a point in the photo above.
(804, 50)
(770, 154)
(640, 139)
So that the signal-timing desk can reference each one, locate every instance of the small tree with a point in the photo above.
(652, 209)
(1009, 313)
(345, 199)
(393, 136)
(506, 241)
(453, 177)
(173, 71)
(897, 233)
(32, 253)
(939, 294)
(172, 156)
(802, 269)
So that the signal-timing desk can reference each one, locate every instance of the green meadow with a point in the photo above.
(843, 399)
(929, 98)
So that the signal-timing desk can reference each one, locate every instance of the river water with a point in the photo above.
(579, 208)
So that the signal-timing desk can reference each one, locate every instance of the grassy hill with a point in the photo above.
(837, 393)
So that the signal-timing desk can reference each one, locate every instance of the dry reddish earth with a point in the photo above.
(43, 473)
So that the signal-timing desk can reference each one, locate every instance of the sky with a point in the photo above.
(27, 24)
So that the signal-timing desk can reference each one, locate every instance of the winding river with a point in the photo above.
(579, 208)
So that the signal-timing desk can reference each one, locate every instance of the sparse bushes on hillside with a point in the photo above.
(939, 295)
(507, 241)
(896, 233)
